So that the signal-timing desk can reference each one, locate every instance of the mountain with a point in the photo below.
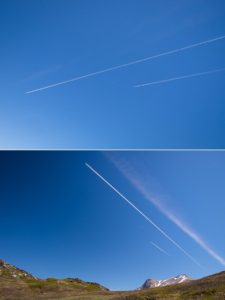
(17, 284)
(152, 283)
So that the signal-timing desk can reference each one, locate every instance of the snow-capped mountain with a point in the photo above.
(151, 283)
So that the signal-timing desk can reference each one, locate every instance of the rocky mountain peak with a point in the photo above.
(150, 283)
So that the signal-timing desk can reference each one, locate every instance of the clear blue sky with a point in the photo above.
(47, 41)
(58, 219)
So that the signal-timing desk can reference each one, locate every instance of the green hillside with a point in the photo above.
(16, 284)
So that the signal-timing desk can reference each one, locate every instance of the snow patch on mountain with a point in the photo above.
(151, 283)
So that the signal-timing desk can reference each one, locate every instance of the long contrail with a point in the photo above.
(180, 77)
(159, 248)
(128, 64)
(144, 216)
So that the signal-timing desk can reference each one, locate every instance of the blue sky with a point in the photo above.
(48, 41)
(58, 219)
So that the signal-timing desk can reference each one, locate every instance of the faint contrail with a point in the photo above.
(139, 184)
(159, 248)
(179, 78)
(128, 64)
(144, 216)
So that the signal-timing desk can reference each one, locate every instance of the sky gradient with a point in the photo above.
(58, 219)
(49, 41)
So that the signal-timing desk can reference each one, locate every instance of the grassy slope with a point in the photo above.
(212, 287)
(28, 288)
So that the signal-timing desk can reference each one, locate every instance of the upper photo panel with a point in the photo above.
(112, 74)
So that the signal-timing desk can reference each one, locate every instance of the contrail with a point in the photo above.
(159, 248)
(143, 187)
(144, 216)
(128, 64)
(179, 78)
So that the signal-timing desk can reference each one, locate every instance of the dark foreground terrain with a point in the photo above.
(16, 284)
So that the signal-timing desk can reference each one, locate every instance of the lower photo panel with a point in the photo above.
(112, 225)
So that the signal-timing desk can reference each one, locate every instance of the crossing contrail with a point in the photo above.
(180, 77)
(144, 216)
(128, 64)
(141, 183)
(159, 248)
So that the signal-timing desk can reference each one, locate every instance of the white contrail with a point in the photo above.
(179, 78)
(144, 216)
(139, 184)
(128, 64)
(159, 248)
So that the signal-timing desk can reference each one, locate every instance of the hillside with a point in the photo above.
(17, 284)
(207, 288)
